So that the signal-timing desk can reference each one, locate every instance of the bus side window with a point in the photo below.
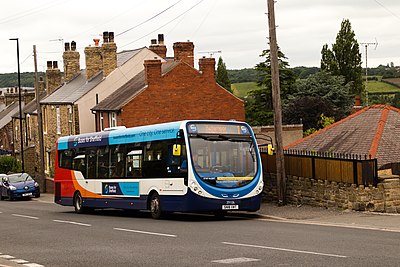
(117, 162)
(134, 163)
(79, 163)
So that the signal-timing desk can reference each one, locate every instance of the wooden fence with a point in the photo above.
(341, 168)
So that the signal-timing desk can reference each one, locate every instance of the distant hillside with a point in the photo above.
(11, 79)
(242, 89)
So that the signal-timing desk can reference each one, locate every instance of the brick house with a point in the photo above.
(169, 90)
(66, 108)
(373, 131)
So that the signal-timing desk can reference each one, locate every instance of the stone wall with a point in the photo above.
(385, 197)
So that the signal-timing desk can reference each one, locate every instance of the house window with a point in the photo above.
(48, 157)
(28, 126)
(70, 128)
(113, 119)
(58, 120)
(44, 117)
(101, 118)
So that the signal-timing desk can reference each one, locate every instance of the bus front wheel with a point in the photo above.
(155, 206)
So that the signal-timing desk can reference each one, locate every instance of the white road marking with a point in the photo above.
(25, 216)
(287, 250)
(144, 232)
(341, 225)
(19, 261)
(33, 265)
(235, 260)
(75, 223)
(7, 257)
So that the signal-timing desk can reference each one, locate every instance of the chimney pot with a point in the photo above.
(105, 37)
(49, 65)
(161, 39)
(66, 46)
(73, 45)
(153, 41)
(111, 37)
(55, 65)
(96, 42)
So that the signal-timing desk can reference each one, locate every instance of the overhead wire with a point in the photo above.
(388, 10)
(31, 11)
(147, 20)
(180, 15)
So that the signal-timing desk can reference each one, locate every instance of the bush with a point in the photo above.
(9, 164)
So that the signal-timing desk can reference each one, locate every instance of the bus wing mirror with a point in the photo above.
(270, 149)
(176, 150)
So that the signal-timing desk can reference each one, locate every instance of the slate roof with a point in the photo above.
(374, 131)
(130, 90)
(29, 108)
(73, 90)
(6, 114)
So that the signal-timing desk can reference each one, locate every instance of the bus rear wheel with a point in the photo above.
(155, 206)
(78, 201)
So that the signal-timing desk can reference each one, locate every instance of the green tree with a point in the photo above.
(9, 164)
(222, 75)
(259, 102)
(345, 58)
(330, 88)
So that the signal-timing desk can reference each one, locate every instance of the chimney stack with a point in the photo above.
(71, 61)
(184, 51)
(207, 67)
(94, 60)
(152, 70)
(160, 49)
(109, 53)
(53, 76)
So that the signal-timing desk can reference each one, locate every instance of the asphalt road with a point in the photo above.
(40, 233)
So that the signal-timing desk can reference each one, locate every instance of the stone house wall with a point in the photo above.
(385, 197)
(69, 122)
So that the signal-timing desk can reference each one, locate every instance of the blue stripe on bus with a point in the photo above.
(144, 134)
(122, 136)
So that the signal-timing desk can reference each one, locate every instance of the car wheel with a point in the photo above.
(155, 206)
(37, 195)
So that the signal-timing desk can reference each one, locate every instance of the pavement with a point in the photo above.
(304, 214)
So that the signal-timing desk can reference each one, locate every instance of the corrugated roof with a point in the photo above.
(374, 130)
(129, 90)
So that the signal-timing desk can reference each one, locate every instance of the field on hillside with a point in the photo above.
(242, 89)
(381, 87)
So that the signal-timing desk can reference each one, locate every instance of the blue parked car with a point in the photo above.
(17, 186)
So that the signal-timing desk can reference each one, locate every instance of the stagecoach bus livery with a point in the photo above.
(185, 166)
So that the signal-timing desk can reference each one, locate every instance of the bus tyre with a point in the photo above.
(78, 204)
(155, 206)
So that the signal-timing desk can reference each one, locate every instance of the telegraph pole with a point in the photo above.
(366, 68)
(276, 101)
(40, 130)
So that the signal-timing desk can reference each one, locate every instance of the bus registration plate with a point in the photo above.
(230, 207)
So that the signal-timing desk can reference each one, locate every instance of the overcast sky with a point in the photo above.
(237, 28)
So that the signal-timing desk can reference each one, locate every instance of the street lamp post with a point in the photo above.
(20, 106)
